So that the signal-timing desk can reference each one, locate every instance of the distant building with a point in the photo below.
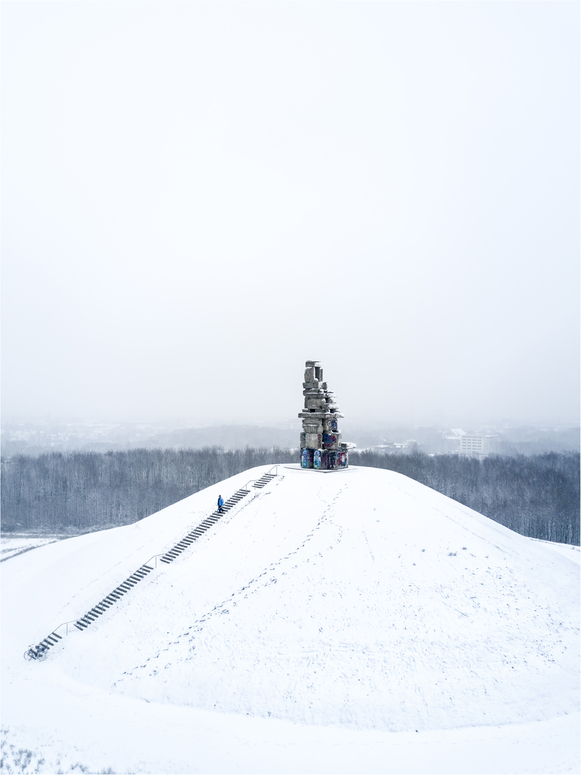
(455, 433)
(473, 445)
(411, 445)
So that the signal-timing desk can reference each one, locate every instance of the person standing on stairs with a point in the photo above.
(220, 504)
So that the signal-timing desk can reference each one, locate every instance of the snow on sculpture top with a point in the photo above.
(320, 444)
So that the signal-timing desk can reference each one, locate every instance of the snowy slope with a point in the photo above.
(356, 615)
(13, 545)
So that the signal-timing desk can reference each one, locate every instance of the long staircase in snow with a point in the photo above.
(203, 526)
(40, 650)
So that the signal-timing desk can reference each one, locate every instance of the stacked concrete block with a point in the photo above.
(320, 442)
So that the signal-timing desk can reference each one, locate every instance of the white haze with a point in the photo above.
(197, 197)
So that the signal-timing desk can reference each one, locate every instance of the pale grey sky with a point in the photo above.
(199, 196)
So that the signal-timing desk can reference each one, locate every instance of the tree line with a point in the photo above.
(83, 491)
(536, 495)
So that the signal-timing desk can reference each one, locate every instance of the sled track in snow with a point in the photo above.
(41, 649)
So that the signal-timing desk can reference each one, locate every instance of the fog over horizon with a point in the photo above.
(198, 197)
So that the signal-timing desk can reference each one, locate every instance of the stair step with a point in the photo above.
(264, 480)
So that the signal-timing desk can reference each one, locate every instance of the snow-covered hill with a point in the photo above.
(354, 621)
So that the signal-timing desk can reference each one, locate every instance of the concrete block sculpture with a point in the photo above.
(321, 446)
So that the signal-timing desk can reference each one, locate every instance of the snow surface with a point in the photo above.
(12, 545)
(354, 621)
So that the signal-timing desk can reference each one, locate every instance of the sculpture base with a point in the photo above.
(324, 459)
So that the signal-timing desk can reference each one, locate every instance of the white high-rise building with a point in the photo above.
(473, 445)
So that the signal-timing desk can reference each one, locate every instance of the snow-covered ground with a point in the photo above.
(353, 621)
(11, 545)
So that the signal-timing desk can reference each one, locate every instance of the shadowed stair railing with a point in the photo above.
(41, 649)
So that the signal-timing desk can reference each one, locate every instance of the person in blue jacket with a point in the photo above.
(220, 504)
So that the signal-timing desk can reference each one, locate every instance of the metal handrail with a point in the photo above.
(155, 556)
(260, 477)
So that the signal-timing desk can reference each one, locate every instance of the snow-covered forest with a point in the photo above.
(536, 495)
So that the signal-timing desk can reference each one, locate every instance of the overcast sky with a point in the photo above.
(197, 197)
